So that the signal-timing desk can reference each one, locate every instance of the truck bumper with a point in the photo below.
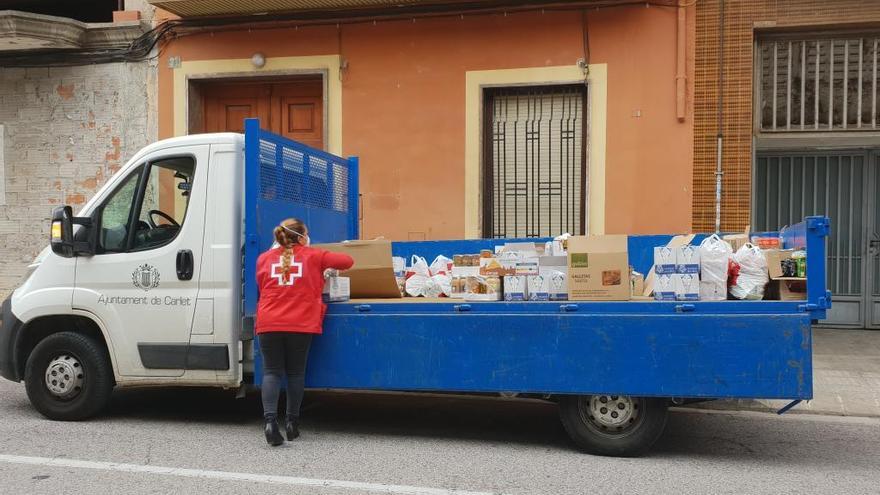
(10, 327)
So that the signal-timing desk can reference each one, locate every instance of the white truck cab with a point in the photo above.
(143, 287)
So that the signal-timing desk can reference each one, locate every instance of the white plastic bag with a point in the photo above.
(714, 260)
(753, 275)
(441, 264)
(443, 283)
(417, 276)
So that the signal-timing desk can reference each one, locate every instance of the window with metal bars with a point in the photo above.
(534, 161)
(824, 83)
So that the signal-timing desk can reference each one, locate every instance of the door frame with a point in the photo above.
(872, 163)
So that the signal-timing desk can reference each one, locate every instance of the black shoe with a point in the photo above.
(273, 435)
(292, 428)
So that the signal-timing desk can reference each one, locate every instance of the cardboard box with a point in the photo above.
(664, 287)
(665, 260)
(687, 286)
(539, 288)
(783, 288)
(337, 289)
(736, 241)
(372, 275)
(786, 290)
(516, 288)
(687, 259)
(598, 268)
(558, 286)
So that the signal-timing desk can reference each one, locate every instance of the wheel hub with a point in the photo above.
(613, 413)
(64, 376)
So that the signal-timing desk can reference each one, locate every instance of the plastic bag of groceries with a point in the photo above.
(417, 276)
(441, 264)
(715, 256)
(753, 275)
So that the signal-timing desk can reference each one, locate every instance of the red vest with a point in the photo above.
(294, 304)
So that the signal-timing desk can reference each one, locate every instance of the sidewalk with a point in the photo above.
(846, 377)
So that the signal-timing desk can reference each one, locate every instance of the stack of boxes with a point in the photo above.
(677, 272)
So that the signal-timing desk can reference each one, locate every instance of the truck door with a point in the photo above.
(143, 281)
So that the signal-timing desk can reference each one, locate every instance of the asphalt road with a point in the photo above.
(203, 441)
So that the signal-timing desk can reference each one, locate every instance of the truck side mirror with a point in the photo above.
(62, 239)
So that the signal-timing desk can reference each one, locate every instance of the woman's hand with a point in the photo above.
(331, 272)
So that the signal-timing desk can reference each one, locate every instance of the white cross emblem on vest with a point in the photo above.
(295, 272)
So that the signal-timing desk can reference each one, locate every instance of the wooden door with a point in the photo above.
(293, 109)
(298, 112)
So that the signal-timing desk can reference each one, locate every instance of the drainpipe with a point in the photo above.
(680, 51)
(719, 172)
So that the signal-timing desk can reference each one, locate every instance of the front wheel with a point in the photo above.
(613, 425)
(68, 377)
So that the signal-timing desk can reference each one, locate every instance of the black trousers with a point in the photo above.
(284, 354)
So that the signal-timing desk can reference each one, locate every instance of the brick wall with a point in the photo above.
(742, 17)
(66, 130)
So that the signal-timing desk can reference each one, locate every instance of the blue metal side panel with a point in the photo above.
(286, 179)
(672, 355)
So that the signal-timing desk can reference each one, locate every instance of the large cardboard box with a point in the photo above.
(783, 288)
(372, 275)
(598, 268)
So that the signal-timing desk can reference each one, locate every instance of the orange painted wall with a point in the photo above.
(404, 106)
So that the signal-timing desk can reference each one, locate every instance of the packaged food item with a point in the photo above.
(665, 260)
(752, 276)
(687, 286)
(399, 265)
(664, 287)
(715, 256)
(457, 260)
(638, 282)
(516, 288)
(539, 288)
(336, 289)
(527, 267)
(800, 259)
(482, 288)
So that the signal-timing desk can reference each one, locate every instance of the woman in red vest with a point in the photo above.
(290, 311)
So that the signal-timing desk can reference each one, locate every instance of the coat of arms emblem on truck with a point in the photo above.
(145, 277)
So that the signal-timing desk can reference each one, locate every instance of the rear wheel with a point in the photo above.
(614, 425)
(68, 377)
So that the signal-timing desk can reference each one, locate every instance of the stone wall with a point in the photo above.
(66, 130)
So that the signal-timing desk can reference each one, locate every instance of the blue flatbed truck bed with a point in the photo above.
(613, 367)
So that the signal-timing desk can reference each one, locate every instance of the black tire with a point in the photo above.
(646, 424)
(94, 383)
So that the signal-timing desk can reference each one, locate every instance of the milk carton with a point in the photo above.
(687, 287)
(539, 288)
(516, 288)
(558, 286)
(665, 260)
(687, 260)
(664, 287)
